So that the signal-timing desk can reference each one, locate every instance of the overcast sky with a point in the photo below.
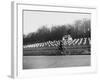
(33, 20)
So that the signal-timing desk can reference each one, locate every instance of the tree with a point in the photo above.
(80, 29)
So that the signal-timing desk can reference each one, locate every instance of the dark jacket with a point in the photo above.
(61, 46)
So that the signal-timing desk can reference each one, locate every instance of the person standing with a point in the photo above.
(61, 47)
(66, 39)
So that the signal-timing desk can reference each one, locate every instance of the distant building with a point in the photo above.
(66, 39)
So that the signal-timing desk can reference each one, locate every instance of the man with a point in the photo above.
(66, 39)
(61, 47)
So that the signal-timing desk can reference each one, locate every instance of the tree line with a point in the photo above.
(80, 29)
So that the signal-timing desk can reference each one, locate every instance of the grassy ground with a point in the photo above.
(51, 51)
(35, 62)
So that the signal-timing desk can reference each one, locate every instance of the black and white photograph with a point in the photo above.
(56, 39)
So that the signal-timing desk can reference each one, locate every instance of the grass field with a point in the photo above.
(36, 62)
(49, 51)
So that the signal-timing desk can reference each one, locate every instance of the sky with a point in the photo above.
(33, 20)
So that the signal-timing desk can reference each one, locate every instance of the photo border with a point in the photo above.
(17, 49)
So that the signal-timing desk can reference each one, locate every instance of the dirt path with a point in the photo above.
(34, 62)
